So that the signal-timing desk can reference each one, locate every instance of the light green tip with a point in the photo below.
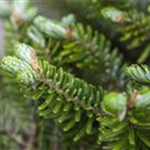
(26, 77)
(50, 27)
(23, 66)
(113, 14)
(114, 104)
(24, 52)
(13, 64)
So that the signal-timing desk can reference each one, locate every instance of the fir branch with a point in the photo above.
(58, 86)
(136, 31)
(59, 93)
(84, 49)
(140, 73)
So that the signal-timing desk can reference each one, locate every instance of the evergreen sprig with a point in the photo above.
(58, 89)
(83, 49)
(65, 106)
(139, 73)
(107, 115)
(135, 28)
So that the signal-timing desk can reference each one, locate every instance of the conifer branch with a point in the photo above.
(59, 93)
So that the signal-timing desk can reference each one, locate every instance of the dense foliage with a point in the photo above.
(71, 85)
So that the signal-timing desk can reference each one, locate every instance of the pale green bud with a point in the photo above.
(14, 65)
(114, 14)
(24, 72)
(50, 27)
(115, 104)
(26, 77)
(68, 20)
(27, 54)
